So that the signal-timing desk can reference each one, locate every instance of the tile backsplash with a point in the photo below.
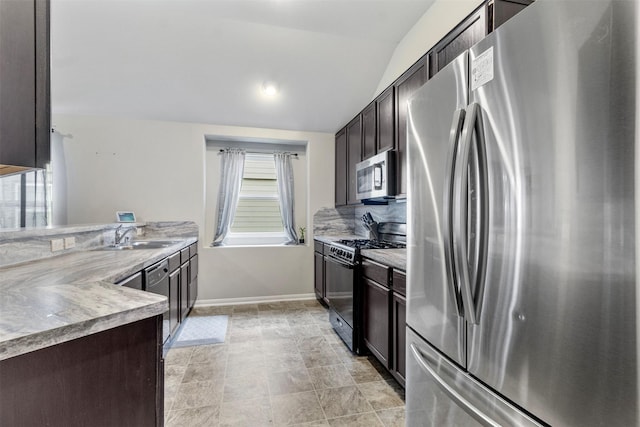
(346, 219)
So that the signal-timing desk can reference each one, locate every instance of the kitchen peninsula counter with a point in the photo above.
(58, 299)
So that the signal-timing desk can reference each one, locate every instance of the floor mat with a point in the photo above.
(200, 330)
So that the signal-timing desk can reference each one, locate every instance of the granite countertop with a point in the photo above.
(396, 258)
(53, 300)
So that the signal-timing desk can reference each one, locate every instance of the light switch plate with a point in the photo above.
(69, 242)
(57, 245)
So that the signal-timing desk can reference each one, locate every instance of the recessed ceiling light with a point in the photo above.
(269, 89)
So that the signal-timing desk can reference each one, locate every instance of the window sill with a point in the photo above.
(259, 245)
(257, 240)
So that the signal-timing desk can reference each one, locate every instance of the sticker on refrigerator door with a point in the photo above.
(482, 69)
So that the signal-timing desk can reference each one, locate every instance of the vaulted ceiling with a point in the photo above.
(204, 61)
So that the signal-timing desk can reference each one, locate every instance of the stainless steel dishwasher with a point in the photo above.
(157, 281)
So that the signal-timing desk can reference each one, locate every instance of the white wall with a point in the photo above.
(157, 169)
(437, 21)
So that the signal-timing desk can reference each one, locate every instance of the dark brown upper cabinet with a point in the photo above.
(369, 133)
(462, 37)
(474, 28)
(386, 118)
(500, 11)
(341, 167)
(354, 155)
(382, 125)
(25, 106)
(405, 86)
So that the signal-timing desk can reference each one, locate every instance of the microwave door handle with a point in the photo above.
(454, 137)
(377, 176)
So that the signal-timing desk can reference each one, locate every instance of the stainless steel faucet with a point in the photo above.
(120, 234)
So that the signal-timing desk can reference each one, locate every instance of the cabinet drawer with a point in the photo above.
(399, 282)
(174, 262)
(184, 255)
(318, 247)
(194, 267)
(193, 249)
(375, 271)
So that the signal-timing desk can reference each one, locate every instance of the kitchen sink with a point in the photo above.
(142, 244)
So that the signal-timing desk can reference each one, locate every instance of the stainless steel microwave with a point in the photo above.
(375, 177)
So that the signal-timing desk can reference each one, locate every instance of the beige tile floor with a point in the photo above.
(281, 364)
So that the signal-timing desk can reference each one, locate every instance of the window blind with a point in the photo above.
(258, 208)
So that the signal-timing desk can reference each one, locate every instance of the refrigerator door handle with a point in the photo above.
(454, 138)
(460, 230)
(450, 391)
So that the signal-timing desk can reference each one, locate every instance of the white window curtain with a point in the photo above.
(284, 173)
(231, 172)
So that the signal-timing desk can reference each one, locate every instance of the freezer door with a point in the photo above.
(441, 394)
(435, 118)
(557, 319)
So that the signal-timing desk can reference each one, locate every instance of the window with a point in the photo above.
(258, 209)
(25, 199)
(246, 211)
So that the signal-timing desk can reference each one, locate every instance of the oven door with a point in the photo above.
(340, 279)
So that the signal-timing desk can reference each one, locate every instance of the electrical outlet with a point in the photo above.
(69, 242)
(57, 245)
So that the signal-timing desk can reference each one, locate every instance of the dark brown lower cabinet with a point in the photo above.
(319, 284)
(399, 325)
(184, 290)
(376, 319)
(174, 301)
(110, 378)
(384, 315)
(193, 280)
(318, 281)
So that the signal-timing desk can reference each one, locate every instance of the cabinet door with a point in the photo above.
(354, 155)
(500, 11)
(466, 34)
(385, 120)
(318, 282)
(406, 85)
(399, 326)
(369, 131)
(43, 83)
(17, 78)
(399, 283)
(174, 300)
(193, 280)
(376, 319)
(341, 168)
(184, 291)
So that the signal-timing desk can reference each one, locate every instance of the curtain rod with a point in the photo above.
(259, 152)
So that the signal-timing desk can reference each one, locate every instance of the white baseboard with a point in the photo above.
(253, 300)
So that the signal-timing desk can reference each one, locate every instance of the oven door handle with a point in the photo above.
(342, 263)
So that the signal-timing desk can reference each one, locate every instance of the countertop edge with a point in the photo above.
(395, 258)
(39, 340)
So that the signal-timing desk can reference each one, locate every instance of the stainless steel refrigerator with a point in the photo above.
(522, 209)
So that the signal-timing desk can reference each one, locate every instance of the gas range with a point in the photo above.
(348, 249)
